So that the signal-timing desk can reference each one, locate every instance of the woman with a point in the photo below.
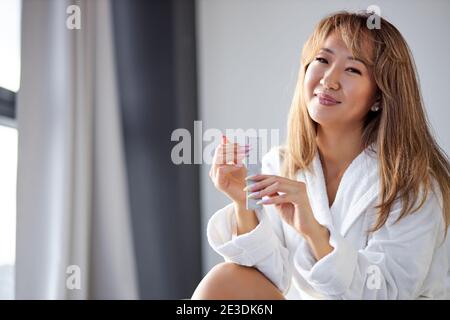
(357, 203)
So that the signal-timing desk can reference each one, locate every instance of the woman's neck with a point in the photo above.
(337, 148)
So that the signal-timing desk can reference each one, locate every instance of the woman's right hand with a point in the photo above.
(228, 171)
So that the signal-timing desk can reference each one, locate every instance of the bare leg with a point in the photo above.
(229, 281)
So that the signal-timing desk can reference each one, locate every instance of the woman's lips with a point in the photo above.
(326, 99)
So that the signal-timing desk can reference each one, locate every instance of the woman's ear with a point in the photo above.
(377, 103)
(377, 99)
(378, 95)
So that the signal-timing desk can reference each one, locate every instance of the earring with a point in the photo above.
(375, 108)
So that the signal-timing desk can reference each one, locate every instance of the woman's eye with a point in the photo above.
(354, 70)
(321, 60)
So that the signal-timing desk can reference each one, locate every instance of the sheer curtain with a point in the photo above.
(74, 237)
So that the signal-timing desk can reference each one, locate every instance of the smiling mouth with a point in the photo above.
(326, 99)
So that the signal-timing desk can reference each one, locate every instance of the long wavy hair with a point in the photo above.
(408, 155)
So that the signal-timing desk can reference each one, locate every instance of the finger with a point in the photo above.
(261, 185)
(263, 180)
(269, 190)
(223, 152)
(282, 198)
(238, 162)
(233, 146)
(273, 188)
(258, 177)
(280, 186)
(275, 194)
(230, 154)
(227, 157)
(223, 158)
(229, 161)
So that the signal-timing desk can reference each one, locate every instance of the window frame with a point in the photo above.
(7, 103)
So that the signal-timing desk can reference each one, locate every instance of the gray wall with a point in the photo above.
(248, 58)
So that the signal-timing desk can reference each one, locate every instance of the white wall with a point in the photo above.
(249, 53)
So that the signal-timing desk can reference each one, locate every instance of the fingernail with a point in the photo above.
(260, 202)
(251, 177)
(253, 195)
(247, 188)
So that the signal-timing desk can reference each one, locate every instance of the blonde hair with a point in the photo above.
(408, 155)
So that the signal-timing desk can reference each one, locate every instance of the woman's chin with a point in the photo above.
(322, 114)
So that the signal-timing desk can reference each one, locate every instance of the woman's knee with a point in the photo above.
(212, 285)
(232, 281)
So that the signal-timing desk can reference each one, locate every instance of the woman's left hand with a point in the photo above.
(290, 199)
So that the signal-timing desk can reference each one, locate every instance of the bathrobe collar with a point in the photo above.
(358, 189)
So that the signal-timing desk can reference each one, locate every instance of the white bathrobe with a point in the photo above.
(403, 260)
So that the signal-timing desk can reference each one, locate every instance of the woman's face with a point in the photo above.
(339, 90)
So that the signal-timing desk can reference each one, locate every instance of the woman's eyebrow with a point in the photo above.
(349, 57)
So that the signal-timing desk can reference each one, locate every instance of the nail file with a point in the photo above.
(252, 161)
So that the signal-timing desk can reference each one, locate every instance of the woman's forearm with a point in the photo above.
(319, 241)
(246, 220)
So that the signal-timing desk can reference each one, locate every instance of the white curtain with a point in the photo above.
(72, 204)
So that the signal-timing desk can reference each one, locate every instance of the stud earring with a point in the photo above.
(375, 108)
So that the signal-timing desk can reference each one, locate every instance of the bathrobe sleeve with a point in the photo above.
(264, 247)
(394, 264)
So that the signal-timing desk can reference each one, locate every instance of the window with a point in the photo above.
(10, 12)
(8, 169)
(10, 44)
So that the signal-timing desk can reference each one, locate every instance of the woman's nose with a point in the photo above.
(330, 80)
